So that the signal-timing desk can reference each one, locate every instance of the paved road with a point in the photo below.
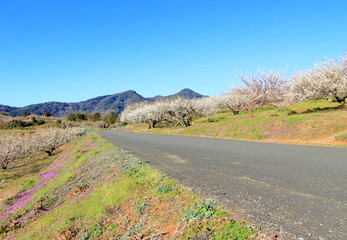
(295, 191)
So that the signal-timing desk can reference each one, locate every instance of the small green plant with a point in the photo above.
(10, 201)
(342, 137)
(131, 232)
(30, 184)
(164, 189)
(234, 231)
(142, 207)
(94, 231)
(205, 210)
(134, 230)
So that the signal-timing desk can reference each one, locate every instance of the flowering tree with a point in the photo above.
(235, 102)
(48, 141)
(260, 89)
(205, 106)
(15, 146)
(180, 110)
(263, 88)
(145, 112)
(324, 80)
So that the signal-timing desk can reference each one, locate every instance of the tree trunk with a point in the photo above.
(49, 152)
(189, 121)
(341, 100)
(4, 164)
(235, 112)
(154, 123)
(183, 122)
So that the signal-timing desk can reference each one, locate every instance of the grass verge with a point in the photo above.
(317, 122)
(93, 190)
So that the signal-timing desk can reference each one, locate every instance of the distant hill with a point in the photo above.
(6, 109)
(102, 104)
(186, 93)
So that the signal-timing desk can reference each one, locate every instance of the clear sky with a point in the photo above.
(73, 50)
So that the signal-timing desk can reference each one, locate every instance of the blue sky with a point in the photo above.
(74, 50)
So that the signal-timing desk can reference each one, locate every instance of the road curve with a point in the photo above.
(294, 191)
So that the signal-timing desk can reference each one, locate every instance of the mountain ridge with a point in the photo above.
(102, 104)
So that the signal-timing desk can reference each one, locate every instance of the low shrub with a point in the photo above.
(142, 207)
(205, 210)
(164, 189)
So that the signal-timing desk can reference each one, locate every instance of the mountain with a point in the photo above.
(6, 109)
(187, 93)
(102, 104)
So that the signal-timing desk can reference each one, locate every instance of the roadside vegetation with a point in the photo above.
(308, 107)
(90, 189)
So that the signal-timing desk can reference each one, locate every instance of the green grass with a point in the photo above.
(22, 174)
(102, 192)
(30, 184)
(314, 105)
(294, 119)
(217, 224)
(342, 137)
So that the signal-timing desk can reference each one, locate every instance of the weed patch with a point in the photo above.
(342, 138)
(205, 210)
(164, 189)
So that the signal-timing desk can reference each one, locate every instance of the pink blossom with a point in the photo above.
(45, 177)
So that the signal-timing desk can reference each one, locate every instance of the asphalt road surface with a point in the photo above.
(290, 190)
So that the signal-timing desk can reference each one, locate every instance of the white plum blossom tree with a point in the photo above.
(48, 141)
(325, 80)
(257, 89)
(180, 110)
(16, 146)
(328, 79)
(143, 112)
(235, 102)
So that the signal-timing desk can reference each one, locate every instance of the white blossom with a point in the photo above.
(324, 80)
(15, 146)
(260, 89)
(180, 110)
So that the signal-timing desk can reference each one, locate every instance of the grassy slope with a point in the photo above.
(93, 190)
(315, 122)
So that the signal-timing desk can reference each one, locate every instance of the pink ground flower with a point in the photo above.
(87, 148)
(45, 177)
